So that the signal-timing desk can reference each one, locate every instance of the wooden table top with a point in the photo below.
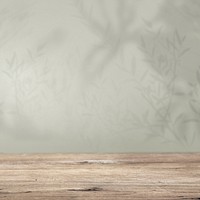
(100, 176)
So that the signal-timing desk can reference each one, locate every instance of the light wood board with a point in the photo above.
(99, 176)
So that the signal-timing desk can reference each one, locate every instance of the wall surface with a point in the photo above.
(99, 75)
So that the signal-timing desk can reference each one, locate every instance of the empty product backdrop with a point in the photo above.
(99, 75)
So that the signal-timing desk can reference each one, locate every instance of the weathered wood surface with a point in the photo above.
(99, 176)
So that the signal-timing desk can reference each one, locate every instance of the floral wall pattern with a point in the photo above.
(99, 76)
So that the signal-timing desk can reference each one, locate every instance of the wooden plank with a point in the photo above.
(100, 176)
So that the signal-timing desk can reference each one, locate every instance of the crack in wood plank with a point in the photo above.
(86, 189)
(15, 192)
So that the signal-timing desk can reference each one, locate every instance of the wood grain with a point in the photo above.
(100, 176)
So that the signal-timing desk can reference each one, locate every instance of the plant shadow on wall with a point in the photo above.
(173, 114)
(38, 104)
(174, 98)
(12, 119)
(113, 35)
(167, 95)
(107, 111)
(24, 101)
(13, 20)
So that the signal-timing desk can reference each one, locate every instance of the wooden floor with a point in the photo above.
(99, 176)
